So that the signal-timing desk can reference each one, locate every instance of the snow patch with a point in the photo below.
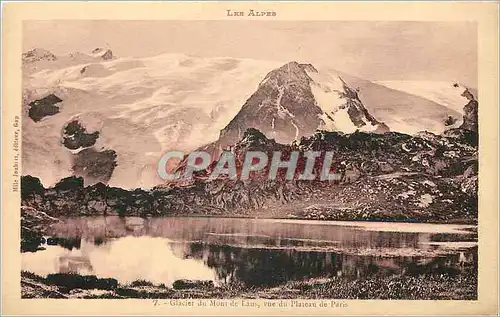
(429, 183)
(329, 92)
(425, 201)
(297, 132)
(407, 194)
(445, 93)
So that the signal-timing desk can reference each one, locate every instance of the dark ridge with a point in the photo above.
(72, 281)
(69, 183)
(30, 186)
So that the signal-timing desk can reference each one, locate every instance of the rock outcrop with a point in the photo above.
(468, 131)
(95, 166)
(470, 113)
(75, 136)
(41, 108)
(389, 176)
(105, 54)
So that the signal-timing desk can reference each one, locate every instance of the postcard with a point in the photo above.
(244, 158)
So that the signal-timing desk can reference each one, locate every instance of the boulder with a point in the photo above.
(190, 284)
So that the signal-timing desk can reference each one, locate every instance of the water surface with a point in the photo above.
(254, 252)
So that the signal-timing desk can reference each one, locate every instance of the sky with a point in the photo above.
(371, 50)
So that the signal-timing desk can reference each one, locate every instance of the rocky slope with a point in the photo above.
(389, 176)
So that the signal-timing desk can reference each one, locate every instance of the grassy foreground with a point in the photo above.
(429, 286)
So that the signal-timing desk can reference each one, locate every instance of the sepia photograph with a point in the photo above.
(223, 163)
(104, 101)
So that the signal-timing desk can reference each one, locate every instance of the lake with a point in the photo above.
(253, 252)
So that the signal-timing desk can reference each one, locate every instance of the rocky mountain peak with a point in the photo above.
(38, 54)
(283, 107)
(105, 54)
(294, 101)
(290, 73)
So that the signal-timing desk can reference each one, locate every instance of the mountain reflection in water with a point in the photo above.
(251, 252)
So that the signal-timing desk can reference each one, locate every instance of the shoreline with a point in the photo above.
(423, 287)
(458, 222)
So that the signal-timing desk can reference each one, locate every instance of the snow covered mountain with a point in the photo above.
(140, 107)
(39, 59)
(448, 94)
(295, 100)
(448, 97)
(110, 119)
